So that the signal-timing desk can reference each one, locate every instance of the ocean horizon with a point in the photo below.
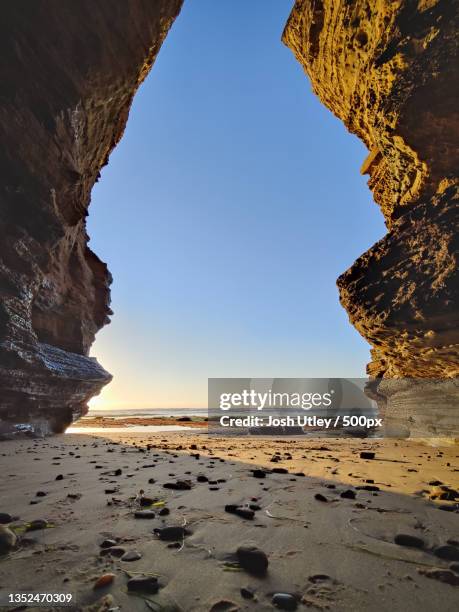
(146, 412)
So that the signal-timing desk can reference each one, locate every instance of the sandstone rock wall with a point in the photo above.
(388, 70)
(69, 73)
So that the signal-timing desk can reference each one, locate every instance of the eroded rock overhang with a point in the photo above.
(69, 73)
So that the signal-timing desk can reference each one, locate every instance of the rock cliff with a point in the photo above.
(69, 73)
(388, 70)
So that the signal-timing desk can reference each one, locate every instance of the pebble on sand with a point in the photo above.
(143, 584)
(405, 539)
(104, 581)
(5, 518)
(37, 524)
(252, 559)
(285, 601)
(144, 514)
(447, 552)
(242, 512)
(170, 534)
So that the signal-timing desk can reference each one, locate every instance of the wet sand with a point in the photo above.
(325, 518)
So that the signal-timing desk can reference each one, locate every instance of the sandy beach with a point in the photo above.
(332, 530)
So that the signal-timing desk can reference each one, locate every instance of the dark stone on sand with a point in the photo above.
(111, 491)
(246, 593)
(320, 497)
(180, 485)
(59, 477)
(252, 559)
(348, 494)
(151, 481)
(144, 514)
(285, 601)
(443, 575)
(116, 551)
(41, 494)
(368, 488)
(242, 512)
(405, 539)
(131, 555)
(447, 552)
(108, 543)
(202, 478)
(146, 501)
(143, 584)
(258, 473)
(37, 524)
(183, 419)
(435, 483)
(164, 512)
(5, 518)
(367, 455)
(170, 534)
(118, 472)
(279, 471)
(254, 507)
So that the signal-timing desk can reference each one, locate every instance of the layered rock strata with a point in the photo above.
(69, 73)
(388, 70)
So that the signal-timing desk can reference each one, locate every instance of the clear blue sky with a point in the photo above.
(226, 214)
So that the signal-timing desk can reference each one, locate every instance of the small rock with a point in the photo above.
(131, 555)
(170, 534)
(348, 494)
(252, 559)
(108, 543)
(115, 551)
(144, 514)
(41, 494)
(143, 584)
(59, 477)
(442, 575)
(368, 488)
(367, 455)
(320, 497)
(180, 485)
(8, 540)
(37, 524)
(104, 581)
(202, 478)
(164, 512)
(404, 539)
(246, 593)
(242, 512)
(258, 473)
(5, 518)
(279, 471)
(285, 601)
(447, 552)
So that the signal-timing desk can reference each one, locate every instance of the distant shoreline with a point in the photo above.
(127, 421)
